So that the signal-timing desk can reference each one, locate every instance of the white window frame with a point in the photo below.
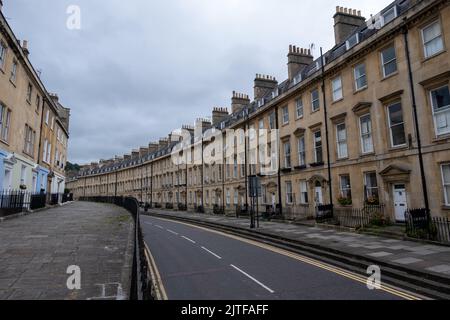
(304, 191)
(445, 184)
(13, 76)
(348, 44)
(371, 188)
(385, 63)
(341, 142)
(289, 193)
(316, 147)
(346, 189)
(301, 153)
(285, 114)
(261, 127)
(299, 109)
(370, 133)
(287, 155)
(5, 122)
(434, 113)
(3, 50)
(357, 88)
(392, 126)
(337, 91)
(438, 22)
(315, 100)
(383, 20)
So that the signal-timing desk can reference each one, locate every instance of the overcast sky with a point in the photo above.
(139, 68)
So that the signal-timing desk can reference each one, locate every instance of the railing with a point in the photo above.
(419, 226)
(361, 217)
(140, 283)
(17, 201)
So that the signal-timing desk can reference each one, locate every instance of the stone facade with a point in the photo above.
(373, 142)
(34, 126)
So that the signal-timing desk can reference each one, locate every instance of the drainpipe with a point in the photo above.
(223, 174)
(416, 122)
(330, 186)
(245, 157)
(151, 185)
(280, 199)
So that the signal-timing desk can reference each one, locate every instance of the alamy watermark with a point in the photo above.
(74, 280)
(73, 21)
(374, 279)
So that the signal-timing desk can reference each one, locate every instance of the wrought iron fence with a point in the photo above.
(419, 226)
(17, 201)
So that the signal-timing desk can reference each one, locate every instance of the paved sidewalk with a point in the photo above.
(36, 250)
(428, 258)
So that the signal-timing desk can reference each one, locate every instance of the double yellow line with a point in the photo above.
(347, 274)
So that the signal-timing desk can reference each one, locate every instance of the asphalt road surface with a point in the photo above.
(199, 264)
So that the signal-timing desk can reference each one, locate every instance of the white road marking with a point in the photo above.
(172, 232)
(209, 251)
(250, 277)
(159, 227)
(150, 224)
(186, 238)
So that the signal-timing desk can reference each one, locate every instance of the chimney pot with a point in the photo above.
(346, 22)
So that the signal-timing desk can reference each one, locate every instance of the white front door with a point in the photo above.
(318, 196)
(400, 203)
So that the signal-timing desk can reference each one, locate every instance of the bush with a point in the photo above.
(345, 201)
(379, 219)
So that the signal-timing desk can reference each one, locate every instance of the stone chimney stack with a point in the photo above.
(126, 157)
(143, 151)
(152, 147)
(134, 154)
(346, 21)
(163, 143)
(298, 59)
(239, 101)
(25, 47)
(263, 85)
(218, 115)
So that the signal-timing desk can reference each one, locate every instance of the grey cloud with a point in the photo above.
(140, 68)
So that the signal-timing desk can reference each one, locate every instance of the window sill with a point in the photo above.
(337, 101)
(300, 167)
(442, 138)
(299, 118)
(360, 90)
(342, 159)
(426, 59)
(390, 76)
(398, 148)
(365, 155)
(29, 102)
(315, 111)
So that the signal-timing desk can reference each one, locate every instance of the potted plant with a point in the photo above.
(372, 201)
(344, 201)
(23, 187)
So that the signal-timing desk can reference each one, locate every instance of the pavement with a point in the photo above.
(36, 251)
(407, 255)
(199, 264)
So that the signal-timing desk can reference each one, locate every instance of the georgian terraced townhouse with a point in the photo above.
(34, 125)
(353, 109)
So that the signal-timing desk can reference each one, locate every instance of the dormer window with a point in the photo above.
(352, 41)
(297, 79)
(389, 16)
(275, 93)
(260, 103)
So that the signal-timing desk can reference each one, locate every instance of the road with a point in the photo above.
(199, 264)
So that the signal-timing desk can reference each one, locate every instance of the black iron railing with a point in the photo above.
(140, 284)
(17, 201)
(418, 225)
